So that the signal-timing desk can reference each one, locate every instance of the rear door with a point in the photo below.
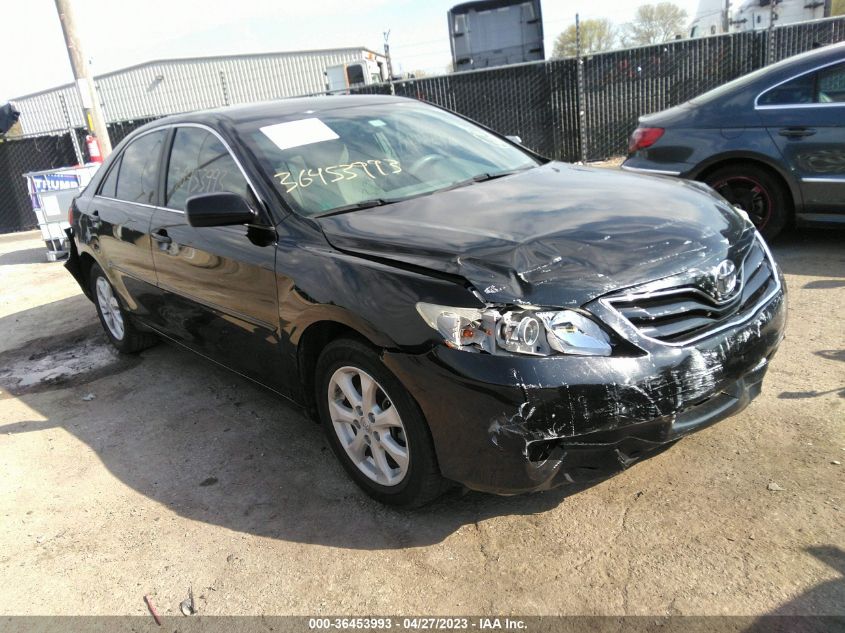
(218, 283)
(120, 214)
(805, 117)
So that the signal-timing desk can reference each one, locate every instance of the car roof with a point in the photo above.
(810, 58)
(278, 110)
(748, 86)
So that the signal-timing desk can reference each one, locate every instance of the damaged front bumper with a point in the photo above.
(510, 424)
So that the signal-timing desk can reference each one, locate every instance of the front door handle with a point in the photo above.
(796, 132)
(161, 236)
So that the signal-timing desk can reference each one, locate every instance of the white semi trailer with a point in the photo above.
(715, 17)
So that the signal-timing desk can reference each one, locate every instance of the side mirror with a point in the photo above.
(219, 209)
(514, 139)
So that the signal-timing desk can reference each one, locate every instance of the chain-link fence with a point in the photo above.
(543, 103)
(621, 86)
(20, 155)
(540, 101)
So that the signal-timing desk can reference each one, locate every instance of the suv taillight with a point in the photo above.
(70, 214)
(644, 137)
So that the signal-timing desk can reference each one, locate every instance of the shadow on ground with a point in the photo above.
(824, 601)
(214, 447)
(812, 252)
(28, 256)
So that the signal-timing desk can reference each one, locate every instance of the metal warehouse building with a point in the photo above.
(170, 86)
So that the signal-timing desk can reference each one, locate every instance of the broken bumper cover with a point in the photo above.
(73, 264)
(507, 424)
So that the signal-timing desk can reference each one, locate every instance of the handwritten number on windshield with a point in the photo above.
(373, 168)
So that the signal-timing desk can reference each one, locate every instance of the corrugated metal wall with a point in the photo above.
(160, 88)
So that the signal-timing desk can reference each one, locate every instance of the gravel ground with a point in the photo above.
(121, 477)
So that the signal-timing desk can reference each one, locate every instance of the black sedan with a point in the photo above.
(771, 142)
(452, 307)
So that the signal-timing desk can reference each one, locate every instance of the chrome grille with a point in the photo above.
(681, 314)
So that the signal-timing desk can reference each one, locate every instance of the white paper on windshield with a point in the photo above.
(296, 133)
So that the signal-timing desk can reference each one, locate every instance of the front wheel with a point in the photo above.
(375, 428)
(758, 192)
(120, 330)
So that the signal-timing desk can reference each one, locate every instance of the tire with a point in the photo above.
(119, 329)
(762, 194)
(408, 483)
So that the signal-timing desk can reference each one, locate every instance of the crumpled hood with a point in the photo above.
(557, 235)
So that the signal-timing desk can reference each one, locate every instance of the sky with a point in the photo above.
(120, 33)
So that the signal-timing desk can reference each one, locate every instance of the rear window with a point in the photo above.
(109, 187)
(820, 86)
(793, 92)
(137, 180)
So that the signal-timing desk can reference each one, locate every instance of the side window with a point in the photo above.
(832, 85)
(109, 186)
(794, 91)
(824, 86)
(138, 177)
(200, 163)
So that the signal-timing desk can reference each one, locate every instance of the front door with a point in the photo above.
(805, 117)
(218, 288)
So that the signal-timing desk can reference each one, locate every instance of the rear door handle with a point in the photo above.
(796, 132)
(161, 236)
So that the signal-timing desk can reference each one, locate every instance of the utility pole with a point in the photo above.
(772, 15)
(582, 113)
(389, 64)
(726, 17)
(94, 120)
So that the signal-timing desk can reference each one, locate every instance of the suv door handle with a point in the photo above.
(796, 132)
(96, 222)
(161, 236)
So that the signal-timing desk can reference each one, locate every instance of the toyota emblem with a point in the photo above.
(724, 278)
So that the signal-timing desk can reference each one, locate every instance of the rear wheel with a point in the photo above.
(374, 426)
(758, 192)
(119, 329)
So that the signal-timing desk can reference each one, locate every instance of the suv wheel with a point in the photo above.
(374, 426)
(120, 330)
(758, 192)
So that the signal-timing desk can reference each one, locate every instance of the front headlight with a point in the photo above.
(537, 333)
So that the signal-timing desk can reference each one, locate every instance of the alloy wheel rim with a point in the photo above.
(109, 308)
(748, 194)
(368, 426)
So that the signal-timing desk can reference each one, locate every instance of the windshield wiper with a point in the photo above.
(355, 206)
(480, 178)
(379, 202)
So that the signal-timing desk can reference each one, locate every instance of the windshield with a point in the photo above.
(376, 154)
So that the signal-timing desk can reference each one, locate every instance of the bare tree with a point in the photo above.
(596, 36)
(655, 24)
